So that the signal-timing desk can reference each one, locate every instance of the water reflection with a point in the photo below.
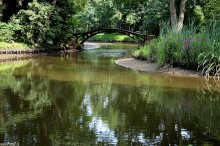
(85, 99)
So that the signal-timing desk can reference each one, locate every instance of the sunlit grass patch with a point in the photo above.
(20, 46)
(113, 37)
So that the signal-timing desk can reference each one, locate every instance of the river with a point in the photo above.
(86, 99)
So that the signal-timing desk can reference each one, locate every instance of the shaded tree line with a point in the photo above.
(53, 22)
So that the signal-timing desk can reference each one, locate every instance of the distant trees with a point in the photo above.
(142, 15)
(212, 9)
(43, 21)
(55, 21)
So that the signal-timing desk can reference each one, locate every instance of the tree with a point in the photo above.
(177, 22)
(34, 24)
(1, 9)
(212, 9)
(154, 12)
(46, 21)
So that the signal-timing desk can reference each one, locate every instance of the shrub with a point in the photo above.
(6, 32)
(35, 25)
(147, 52)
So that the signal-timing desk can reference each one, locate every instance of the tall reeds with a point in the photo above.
(183, 48)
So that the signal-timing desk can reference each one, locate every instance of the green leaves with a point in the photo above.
(132, 18)
(34, 24)
(6, 32)
(212, 9)
(43, 23)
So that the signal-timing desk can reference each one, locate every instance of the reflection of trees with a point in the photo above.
(126, 113)
(70, 121)
(62, 102)
(188, 115)
(24, 98)
(35, 109)
(155, 115)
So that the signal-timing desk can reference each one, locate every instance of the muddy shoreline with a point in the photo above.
(152, 68)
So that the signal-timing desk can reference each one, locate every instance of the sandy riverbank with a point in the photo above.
(152, 68)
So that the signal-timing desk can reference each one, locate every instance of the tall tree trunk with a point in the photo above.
(173, 14)
(177, 23)
(1, 9)
(181, 15)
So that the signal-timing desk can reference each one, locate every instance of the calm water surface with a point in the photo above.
(86, 99)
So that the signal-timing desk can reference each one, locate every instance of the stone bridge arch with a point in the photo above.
(139, 38)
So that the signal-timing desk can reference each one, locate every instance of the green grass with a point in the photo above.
(20, 46)
(113, 37)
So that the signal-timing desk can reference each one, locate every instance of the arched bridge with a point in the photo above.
(138, 37)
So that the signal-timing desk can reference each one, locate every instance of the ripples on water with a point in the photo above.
(85, 99)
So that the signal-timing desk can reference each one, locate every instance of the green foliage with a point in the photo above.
(171, 47)
(34, 25)
(183, 48)
(147, 52)
(153, 13)
(114, 14)
(6, 32)
(44, 23)
(20, 46)
(212, 9)
(114, 37)
(210, 64)
(131, 18)
(199, 14)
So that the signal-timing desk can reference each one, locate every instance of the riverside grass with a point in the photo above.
(185, 48)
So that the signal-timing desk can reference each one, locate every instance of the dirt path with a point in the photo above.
(152, 68)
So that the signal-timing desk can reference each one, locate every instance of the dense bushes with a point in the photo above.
(43, 22)
(184, 48)
(6, 32)
(34, 25)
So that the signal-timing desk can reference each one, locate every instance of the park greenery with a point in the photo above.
(188, 48)
(113, 37)
(187, 30)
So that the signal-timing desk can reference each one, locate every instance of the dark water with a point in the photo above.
(86, 99)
